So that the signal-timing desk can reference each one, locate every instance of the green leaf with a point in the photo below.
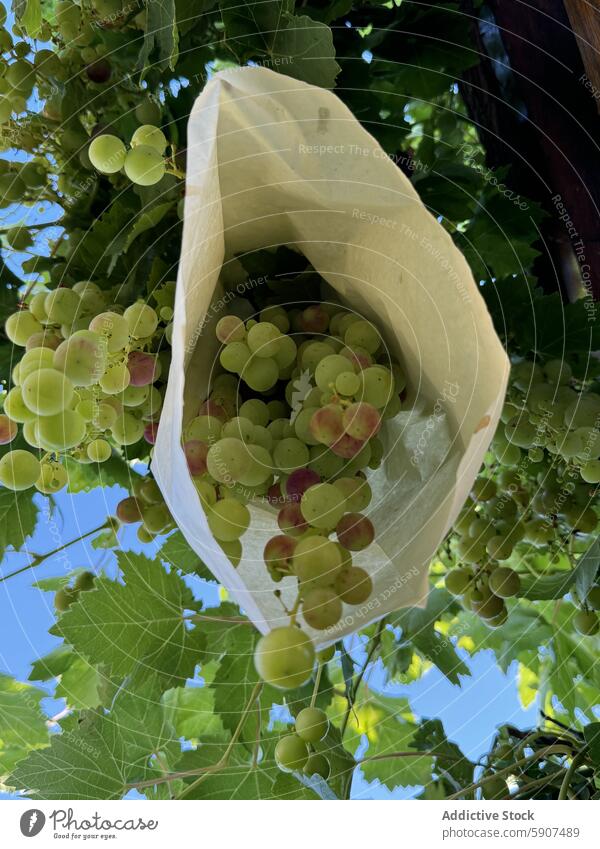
(160, 48)
(147, 219)
(83, 477)
(591, 733)
(177, 552)
(191, 711)
(29, 15)
(21, 719)
(18, 518)
(79, 685)
(236, 676)
(53, 664)
(241, 781)
(587, 569)
(136, 625)
(448, 758)
(546, 587)
(527, 685)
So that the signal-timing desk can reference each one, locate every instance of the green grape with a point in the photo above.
(151, 136)
(583, 412)
(504, 582)
(322, 506)
(312, 725)
(290, 454)
(286, 353)
(291, 753)
(232, 550)
(239, 427)
(61, 306)
(328, 370)
(316, 560)
(590, 471)
(235, 356)
(260, 469)
(262, 437)
(364, 335)
(277, 410)
(147, 111)
(317, 764)
(36, 306)
(115, 379)
(539, 532)
(525, 373)
(144, 165)
(256, 411)
(141, 319)
(471, 551)
(107, 154)
(81, 357)
(127, 429)
(260, 373)
(34, 360)
(61, 431)
(19, 470)
(520, 432)
(103, 417)
(228, 460)
(586, 623)
(20, 326)
(263, 339)
(228, 519)
(558, 372)
(325, 655)
(47, 392)
(312, 354)
(16, 409)
(64, 598)
(321, 608)
(99, 450)
(52, 478)
(302, 426)
(284, 657)
(593, 598)
(84, 582)
(356, 491)
(347, 383)
(377, 386)
(458, 581)
(134, 396)
(114, 328)
(353, 585)
(324, 462)
(499, 547)
(206, 492)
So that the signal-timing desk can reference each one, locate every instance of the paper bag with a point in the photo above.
(273, 161)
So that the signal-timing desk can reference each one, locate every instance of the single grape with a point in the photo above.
(356, 491)
(286, 353)
(317, 764)
(499, 547)
(128, 511)
(301, 426)
(314, 319)
(99, 450)
(317, 560)
(311, 355)
(291, 521)
(44, 339)
(134, 396)
(347, 383)
(285, 657)
(260, 468)
(20, 326)
(156, 518)
(363, 334)
(141, 319)
(238, 427)
(590, 471)
(586, 623)
(593, 598)
(115, 379)
(228, 460)
(377, 386)
(211, 408)
(312, 725)
(458, 581)
(107, 153)
(62, 430)
(354, 586)
(361, 420)
(33, 361)
(355, 531)
(62, 306)
(8, 430)
(322, 506)
(321, 608)
(235, 356)
(230, 329)
(260, 373)
(326, 424)
(143, 368)
(504, 582)
(255, 411)
(196, 452)
(64, 598)
(47, 391)
(52, 478)
(278, 554)
(82, 357)
(328, 369)
(291, 753)
(348, 447)
(263, 339)
(151, 136)
(19, 470)
(84, 582)
(127, 429)
(206, 491)
(113, 328)
(558, 372)
(144, 165)
(290, 454)
(228, 519)
(298, 482)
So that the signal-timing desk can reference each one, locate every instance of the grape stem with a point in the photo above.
(372, 649)
(573, 766)
(313, 698)
(39, 558)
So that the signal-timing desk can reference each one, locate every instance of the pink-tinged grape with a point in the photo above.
(8, 430)
(274, 494)
(20, 326)
(356, 491)
(256, 411)
(347, 383)
(127, 429)
(321, 608)
(235, 356)
(364, 335)
(144, 165)
(82, 357)
(355, 531)
(316, 561)
(263, 339)
(354, 586)
(151, 432)
(113, 328)
(128, 511)
(115, 379)
(358, 357)
(317, 764)
(347, 446)
(107, 153)
(312, 725)
(298, 482)
(260, 374)
(15, 408)
(361, 420)
(62, 306)
(314, 319)
(227, 460)
(61, 431)
(291, 753)
(141, 320)
(47, 391)
(326, 424)
(134, 396)
(228, 519)
(149, 135)
(377, 386)
(52, 478)
(328, 369)
(290, 519)
(290, 454)
(279, 552)
(212, 408)
(285, 658)
(239, 427)
(302, 425)
(323, 506)
(99, 451)
(43, 339)
(312, 354)
(143, 368)
(230, 329)
(19, 470)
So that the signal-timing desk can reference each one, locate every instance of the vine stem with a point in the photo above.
(372, 649)
(313, 698)
(573, 766)
(39, 558)
(222, 763)
(549, 750)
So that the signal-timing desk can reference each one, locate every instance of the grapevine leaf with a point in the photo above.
(160, 47)
(138, 624)
(21, 719)
(29, 15)
(448, 758)
(53, 664)
(177, 552)
(18, 518)
(79, 685)
(147, 219)
(240, 781)
(236, 676)
(591, 733)
(191, 711)
(587, 569)
(88, 476)
(546, 587)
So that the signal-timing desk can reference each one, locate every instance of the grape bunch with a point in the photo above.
(89, 381)
(144, 162)
(327, 385)
(295, 752)
(147, 507)
(66, 596)
(535, 495)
